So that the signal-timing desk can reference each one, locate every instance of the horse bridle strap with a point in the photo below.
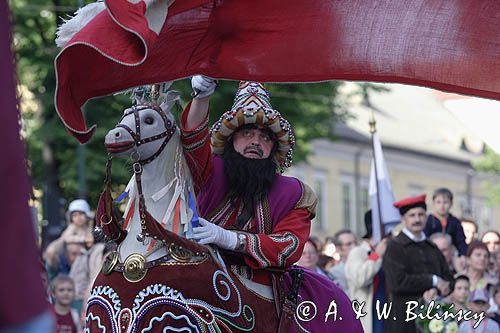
(106, 219)
(167, 134)
(142, 205)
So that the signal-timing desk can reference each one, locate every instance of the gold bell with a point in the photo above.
(134, 267)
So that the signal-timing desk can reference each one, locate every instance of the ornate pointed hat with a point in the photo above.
(252, 106)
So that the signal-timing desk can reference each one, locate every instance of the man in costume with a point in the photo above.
(262, 217)
(413, 266)
(259, 218)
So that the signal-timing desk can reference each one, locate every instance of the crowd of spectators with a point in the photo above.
(70, 264)
(454, 265)
(450, 263)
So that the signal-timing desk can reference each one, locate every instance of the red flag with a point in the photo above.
(23, 297)
(448, 45)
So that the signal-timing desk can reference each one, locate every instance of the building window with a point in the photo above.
(486, 217)
(478, 210)
(318, 219)
(320, 190)
(346, 205)
(482, 213)
(365, 200)
(460, 203)
(348, 202)
(348, 196)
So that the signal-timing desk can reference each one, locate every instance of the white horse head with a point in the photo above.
(148, 134)
(143, 129)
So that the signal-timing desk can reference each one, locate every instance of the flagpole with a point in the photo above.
(373, 130)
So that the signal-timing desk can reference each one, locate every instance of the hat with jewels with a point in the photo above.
(252, 106)
(409, 203)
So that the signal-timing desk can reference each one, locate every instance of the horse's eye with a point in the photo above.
(149, 120)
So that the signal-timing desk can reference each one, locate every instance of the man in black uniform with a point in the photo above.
(413, 265)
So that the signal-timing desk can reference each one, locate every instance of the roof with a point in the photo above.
(410, 118)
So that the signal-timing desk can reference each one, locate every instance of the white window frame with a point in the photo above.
(364, 184)
(481, 213)
(321, 177)
(349, 181)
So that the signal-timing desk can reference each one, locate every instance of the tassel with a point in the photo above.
(184, 221)
(177, 216)
(195, 220)
(168, 215)
(130, 213)
(161, 193)
(121, 197)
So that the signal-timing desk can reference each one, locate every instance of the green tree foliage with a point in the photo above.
(490, 163)
(52, 152)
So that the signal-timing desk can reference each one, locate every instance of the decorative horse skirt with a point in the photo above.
(163, 301)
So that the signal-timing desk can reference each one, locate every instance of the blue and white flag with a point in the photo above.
(388, 213)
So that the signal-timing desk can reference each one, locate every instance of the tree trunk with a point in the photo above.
(53, 203)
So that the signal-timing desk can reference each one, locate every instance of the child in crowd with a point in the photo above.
(460, 293)
(470, 230)
(478, 302)
(63, 293)
(78, 230)
(443, 221)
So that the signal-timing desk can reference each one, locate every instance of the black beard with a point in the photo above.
(247, 179)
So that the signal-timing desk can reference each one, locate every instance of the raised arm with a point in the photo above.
(360, 268)
(194, 130)
(203, 87)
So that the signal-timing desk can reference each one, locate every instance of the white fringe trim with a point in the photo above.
(76, 23)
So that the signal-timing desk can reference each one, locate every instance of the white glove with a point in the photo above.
(203, 86)
(209, 233)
